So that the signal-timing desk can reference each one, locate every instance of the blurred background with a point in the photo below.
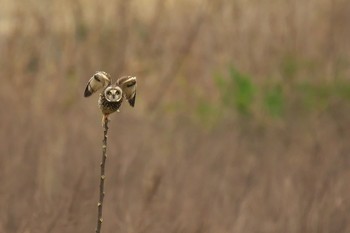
(241, 121)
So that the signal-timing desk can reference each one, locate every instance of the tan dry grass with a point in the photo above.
(164, 173)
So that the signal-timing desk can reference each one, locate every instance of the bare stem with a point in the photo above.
(102, 178)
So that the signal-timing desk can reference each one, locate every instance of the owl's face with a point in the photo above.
(113, 94)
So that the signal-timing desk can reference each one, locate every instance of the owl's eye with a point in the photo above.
(118, 92)
(108, 92)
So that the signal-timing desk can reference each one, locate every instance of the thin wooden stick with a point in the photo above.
(102, 178)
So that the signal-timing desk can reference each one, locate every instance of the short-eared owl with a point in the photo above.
(112, 95)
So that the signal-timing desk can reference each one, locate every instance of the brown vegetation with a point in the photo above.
(172, 165)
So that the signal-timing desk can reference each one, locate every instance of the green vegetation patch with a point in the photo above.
(274, 101)
(236, 91)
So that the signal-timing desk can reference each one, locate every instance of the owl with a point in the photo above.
(112, 95)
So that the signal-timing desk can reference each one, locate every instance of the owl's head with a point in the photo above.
(113, 93)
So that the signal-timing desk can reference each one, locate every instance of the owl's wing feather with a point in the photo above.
(132, 100)
(88, 90)
(97, 81)
(128, 85)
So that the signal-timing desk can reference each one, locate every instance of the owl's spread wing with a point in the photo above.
(97, 81)
(128, 85)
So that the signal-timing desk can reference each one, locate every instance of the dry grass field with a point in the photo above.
(242, 121)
